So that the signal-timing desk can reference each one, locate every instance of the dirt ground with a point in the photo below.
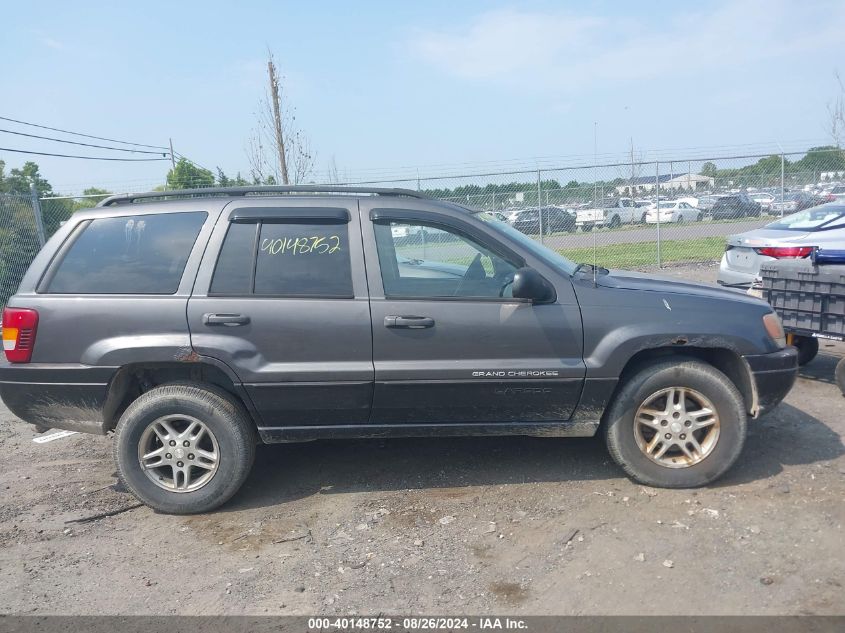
(448, 526)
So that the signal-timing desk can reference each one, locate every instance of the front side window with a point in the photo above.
(138, 254)
(424, 260)
(284, 259)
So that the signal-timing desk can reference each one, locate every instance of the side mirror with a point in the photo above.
(529, 284)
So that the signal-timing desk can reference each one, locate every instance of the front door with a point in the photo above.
(285, 306)
(450, 345)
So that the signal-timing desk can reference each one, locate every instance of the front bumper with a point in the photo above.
(773, 375)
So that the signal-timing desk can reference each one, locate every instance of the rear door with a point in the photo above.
(449, 343)
(281, 298)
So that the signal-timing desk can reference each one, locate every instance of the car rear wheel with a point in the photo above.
(678, 423)
(184, 448)
(808, 348)
(615, 222)
(587, 228)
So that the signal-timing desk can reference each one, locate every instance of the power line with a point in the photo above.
(132, 160)
(60, 140)
(99, 138)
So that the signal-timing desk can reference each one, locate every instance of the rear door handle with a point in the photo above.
(225, 319)
(408, 322)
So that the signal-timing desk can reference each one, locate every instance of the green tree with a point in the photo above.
(19, 180)
(709, 169)
(186, 175)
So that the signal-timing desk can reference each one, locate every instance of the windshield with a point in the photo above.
(549, 256)
(813, 219)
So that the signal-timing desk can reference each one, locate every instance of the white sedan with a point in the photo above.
(676, 211)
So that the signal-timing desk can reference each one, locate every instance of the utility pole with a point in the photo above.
(277, 119)
(172, 158)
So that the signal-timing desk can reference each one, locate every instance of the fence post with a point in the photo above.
(36, 211)
(540, 206)
(657, 187)
(782, 170)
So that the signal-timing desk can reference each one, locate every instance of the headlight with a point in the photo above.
(774, 328)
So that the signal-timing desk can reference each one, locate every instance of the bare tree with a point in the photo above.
(277, 150)
(836, 112)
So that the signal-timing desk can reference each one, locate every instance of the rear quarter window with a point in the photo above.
(136, 254)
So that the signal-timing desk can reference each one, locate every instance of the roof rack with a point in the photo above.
(128, 198)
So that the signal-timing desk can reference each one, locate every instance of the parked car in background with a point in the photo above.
(554, 219)
(690, 200)
(793, 201)
(675, 211)
(765, 200)
(791, 237)
(735, 205)
(838, 192)
(614, 214)
(705, 203)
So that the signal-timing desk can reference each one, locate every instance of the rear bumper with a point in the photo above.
(730, 276)
(70, 397)
(774, 375)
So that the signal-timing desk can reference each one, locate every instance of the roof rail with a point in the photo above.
(128, 198)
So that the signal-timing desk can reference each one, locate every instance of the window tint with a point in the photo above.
(233, 273)
(421, 260)
(296, 259)
(139, 254)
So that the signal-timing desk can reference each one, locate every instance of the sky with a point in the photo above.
(389, 88)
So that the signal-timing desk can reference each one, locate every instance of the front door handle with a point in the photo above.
(408, 322)
(225, 319)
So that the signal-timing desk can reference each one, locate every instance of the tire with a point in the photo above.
(699, 217)
(643, 218)
(226, 425)
(586, 228)
(615, 222)
(808, 348)
(705, 381)
(680, 220)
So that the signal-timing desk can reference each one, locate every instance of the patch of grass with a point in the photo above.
(645, 253)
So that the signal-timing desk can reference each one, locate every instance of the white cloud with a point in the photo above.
(565, 49)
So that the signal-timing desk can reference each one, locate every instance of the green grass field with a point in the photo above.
(645, 253)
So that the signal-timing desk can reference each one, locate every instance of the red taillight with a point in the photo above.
(785, 252)
(19, 327)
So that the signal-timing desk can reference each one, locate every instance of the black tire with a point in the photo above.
(586, 228)
(643, 218)
(680, 220)
(223, 416)
(615, 222)
(618, 423)
(699, 217)
(808, 348)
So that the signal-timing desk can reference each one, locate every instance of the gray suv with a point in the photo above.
(195, 324)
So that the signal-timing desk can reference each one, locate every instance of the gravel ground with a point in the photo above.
(449, 526)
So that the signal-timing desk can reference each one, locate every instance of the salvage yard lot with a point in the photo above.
(478, 525)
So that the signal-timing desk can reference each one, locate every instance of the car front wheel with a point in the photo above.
(678, 423)
(184, 448)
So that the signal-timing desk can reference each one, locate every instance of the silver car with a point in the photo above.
(790, 237)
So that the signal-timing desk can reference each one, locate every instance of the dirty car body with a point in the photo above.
(483, 331)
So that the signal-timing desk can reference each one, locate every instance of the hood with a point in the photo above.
(629, 280)
(766, 237)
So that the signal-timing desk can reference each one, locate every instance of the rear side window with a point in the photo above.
(136, 254)
(285, 259)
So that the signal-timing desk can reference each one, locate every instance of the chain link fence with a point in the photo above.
(634, 214)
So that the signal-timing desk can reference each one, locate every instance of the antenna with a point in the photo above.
(595, 190)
